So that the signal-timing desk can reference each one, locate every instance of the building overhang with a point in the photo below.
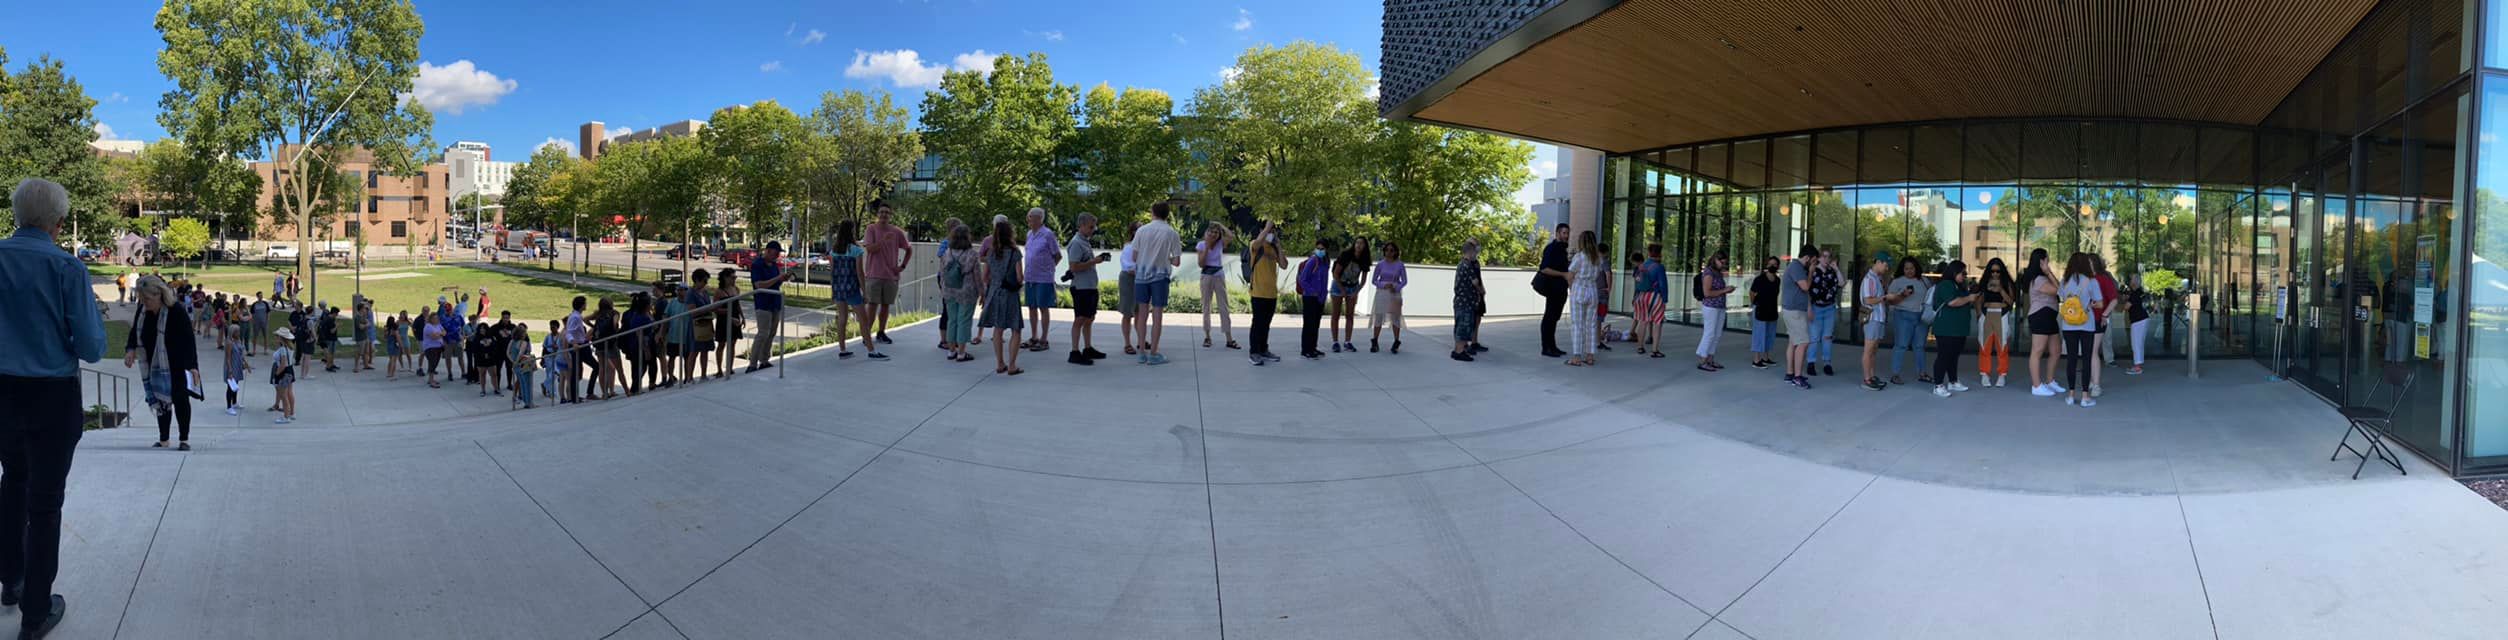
(1630, 75)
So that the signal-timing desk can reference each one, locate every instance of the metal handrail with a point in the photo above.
(707, 308)
(121, 392)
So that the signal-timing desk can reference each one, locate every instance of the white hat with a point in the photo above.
(285, 334)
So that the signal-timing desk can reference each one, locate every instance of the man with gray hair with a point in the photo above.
(1042, 251)
(48, 324)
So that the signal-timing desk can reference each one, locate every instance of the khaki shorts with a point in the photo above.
(1797, 326)
(879, 292)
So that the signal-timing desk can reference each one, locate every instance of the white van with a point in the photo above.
(280, 252)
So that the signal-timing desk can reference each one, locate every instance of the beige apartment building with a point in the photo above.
(389, 211)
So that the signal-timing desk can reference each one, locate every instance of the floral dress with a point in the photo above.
(1001, 297)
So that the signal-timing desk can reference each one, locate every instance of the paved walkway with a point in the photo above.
(1373, 496)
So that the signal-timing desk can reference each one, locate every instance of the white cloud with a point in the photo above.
(1374, 89)
(771, 66)
(1179, 37)
(117, 97)
(1546, 168)
(906, 68)
(789, 27)
(568, 145)
(1052, 36)
(104, 132)
(813, 37)
(1245, 20)
(1229, 74)
(1544, 165)
(614, 134)
(454, 87)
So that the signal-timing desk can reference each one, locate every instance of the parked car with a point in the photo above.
(739, 257)
(280, 252)
(89, 254)
(686, 251)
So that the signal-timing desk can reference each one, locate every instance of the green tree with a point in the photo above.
(184, 238)
(222, 190)
(529, 203)
(1435, 187)
(1288, 137)
(304, 83)
(1133, 155)
(1001, 137)
(861, 145)
(46, 122)
(755, 149)
(1899, 233)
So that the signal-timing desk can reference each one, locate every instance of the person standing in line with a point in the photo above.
(766, 277)
(1878, 299)
(1584, 297)
(1391, 277)
(696, 360)
(363, 329)
(161, 338)
(672, 343)
(1763, 316)
(278, 285)
(1994, 302)
(1043, 250)
(728, 320)
(887, 251)
(1602, 302)
(553, 357)
(327, 335)
(637, 344)
(498, 366)
(2137, 321)
(432, 344)
(2044, 331)
(518, 352)
(611, 374)
(1825, 287)
(1001, 305)
(1212, 254)
(1263, 265)
(2078, 299)
(577, 333)
(1126, 294)
(962, 283)
(1907, 327)
(1954, 305)
(260, 328)
(1469, 302)
(1710, 288)
(1084, 259)
(1794, 311)
(1159, 251)
(1551, 281)
(1349, 276)
(392, 335)
(845, 262)
(2105, 351)
(283, 365)
(1314, 286)
(237, 364)
(1652, 292)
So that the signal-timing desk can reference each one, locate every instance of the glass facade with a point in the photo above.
(2324, 242)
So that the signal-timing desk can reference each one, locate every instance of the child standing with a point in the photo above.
(237, 365)
(283, 375)
(551, 349)
(1391, 277)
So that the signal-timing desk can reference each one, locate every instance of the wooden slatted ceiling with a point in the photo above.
(1651, 73)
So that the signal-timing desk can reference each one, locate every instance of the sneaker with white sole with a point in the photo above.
(2041, 391)
(2069, 401)
(2003, 380)
(2089, 402)
(230, 411)
(2057, 386)
(1940, 391)
(2094, 391)
(1957, 387)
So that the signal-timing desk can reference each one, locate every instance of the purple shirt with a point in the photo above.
(1312, 276)
(1391, 275)
(1715, 280)
(1043, 252)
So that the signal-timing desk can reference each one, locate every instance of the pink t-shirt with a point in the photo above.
(882, 242)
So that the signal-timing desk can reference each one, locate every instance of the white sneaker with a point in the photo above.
(2057, 386)
(281, 420)
(1996, 381)
(2094, 391)
(1940, 391)
(2069, 401)
(2088, 403)
(230, 411)
(1956, 386)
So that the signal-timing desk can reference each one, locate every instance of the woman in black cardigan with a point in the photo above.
(161, 335)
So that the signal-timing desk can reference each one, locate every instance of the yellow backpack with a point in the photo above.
(2073, 311)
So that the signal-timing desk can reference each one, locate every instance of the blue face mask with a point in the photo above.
(1318, 253)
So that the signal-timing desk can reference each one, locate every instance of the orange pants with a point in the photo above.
(1994, 356)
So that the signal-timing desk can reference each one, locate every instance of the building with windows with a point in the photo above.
(473, 170)
(2319, 180)
(390, 210)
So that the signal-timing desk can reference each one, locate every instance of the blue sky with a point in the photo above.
(517, 73)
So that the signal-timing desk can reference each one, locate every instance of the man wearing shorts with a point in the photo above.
(1157, 251)
(766, 277)
(1084, 261)
(1042, 251)
(1794, 309)
(888, 251)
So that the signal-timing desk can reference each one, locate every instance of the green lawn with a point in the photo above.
(408, 289)
(116, 331)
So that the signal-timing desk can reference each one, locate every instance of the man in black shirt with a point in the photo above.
(1552, 283)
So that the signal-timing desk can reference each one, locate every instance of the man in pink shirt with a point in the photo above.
(887, 251)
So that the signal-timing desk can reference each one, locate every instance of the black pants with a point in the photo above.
(637, 367)
(1551, 305)
(181, 413)
(581, 366)
(1311, 309)
(2077, 360)
(1946, 357)
(38, 435)
(230, 397)
(1260, 337)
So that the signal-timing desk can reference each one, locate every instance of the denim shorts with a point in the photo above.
(1040, 295)
(1153, 293)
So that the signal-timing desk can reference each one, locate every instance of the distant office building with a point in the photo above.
(471, 145)
(593, 138)
(680, 129)
(391, 210)
(473, 172)
(589, 137)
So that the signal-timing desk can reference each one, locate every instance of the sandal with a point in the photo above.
(1127, 350)
(1232, 344)
(183, 447)
(159, 445)
(1016, 371)
(1205, 342)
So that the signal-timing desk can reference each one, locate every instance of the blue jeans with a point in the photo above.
(1823, 331)
(1907, 334)
(522, 387)
(1762, 336)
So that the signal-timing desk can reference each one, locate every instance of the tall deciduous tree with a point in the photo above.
(46, 122)
(1001, 137)
(222, 191)
(529, 202)
(327, 77)
(184, 238)
(1131, 151)
(756, 149)
(861, 145)
(1287, 137)
(1435, 187)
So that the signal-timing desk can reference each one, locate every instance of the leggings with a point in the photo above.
(1311, 311)
(230, 397)
(2077, 359)
(1994, 349)
(1215, 300)
(2140, 330)
(180, 413)
(1946, 357)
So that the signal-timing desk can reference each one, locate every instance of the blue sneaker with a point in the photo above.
(1156, 359)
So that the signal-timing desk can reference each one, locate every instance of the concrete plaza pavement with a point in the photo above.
(1364, 495)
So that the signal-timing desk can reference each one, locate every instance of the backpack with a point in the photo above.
(2073, 310)
(953, 276)
(1245, 265)
(1698, 286)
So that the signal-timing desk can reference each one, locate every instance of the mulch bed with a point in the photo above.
(2495, 490)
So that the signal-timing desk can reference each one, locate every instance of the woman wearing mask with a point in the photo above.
(1469, 302)
(161, 337)
(1954, 305)
(1314, 288)
(1994, 302)
(1763, 313)
(2137, 322)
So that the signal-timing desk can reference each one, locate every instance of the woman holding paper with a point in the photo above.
(161, 336)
